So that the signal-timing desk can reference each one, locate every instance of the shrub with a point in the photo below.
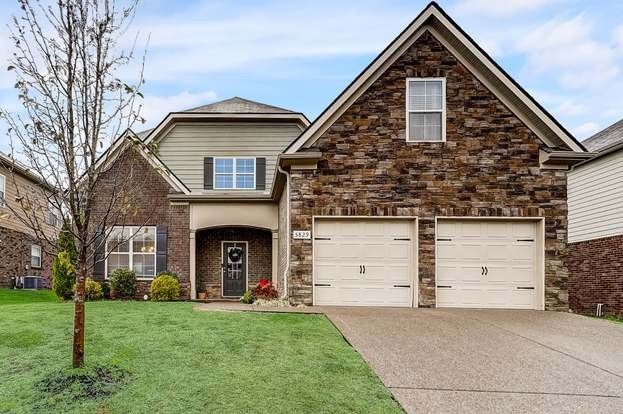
(66, 243)
(123, 282)
(165, 288)
(93, 289)
(105, 289)
(247, 297)
(168, 273)
(265, 290)
(63, 276)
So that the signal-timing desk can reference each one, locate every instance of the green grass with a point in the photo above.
(181, 360)
(11, 296)
(613, 318)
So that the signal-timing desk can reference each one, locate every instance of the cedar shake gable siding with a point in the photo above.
(150, 207)
(488, 166)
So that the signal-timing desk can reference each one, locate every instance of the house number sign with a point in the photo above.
(301, 234)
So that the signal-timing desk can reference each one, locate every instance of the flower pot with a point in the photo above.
(202, 296)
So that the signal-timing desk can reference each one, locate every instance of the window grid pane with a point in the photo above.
(140, 251)
(425, 126)
(234, 173)
(224, 165)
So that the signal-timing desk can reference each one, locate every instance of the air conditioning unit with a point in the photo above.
(29, 282)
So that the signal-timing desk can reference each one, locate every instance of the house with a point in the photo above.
(596, 225)
(22, 253)
(433, 179)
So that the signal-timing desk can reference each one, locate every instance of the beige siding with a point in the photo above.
(595, 195)
(8, 216)
(183, 148)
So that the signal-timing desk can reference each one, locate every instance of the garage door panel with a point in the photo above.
(357, 243)
(506, 249)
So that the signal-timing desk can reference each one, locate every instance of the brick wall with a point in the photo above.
(209, 256)
(15, 257)
(596, 275)
(489, 166)
(146, 204)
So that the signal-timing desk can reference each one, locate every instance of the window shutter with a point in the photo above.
(208, 173)
(260, 173)
(99, 265)
(161, 249)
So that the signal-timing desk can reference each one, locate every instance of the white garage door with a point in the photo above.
(363, 262)
(486, 264)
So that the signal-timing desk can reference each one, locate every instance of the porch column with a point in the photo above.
(193, 265)
(275, 270)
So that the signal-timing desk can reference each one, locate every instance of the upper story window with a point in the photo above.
(53, 215)
(35, 256)
(234, 173)
(132, 248)
(2, 190)
(426, 109)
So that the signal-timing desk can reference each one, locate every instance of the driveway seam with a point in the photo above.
(505, 392)
(547, 346)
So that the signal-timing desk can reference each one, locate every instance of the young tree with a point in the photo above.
(67, 60)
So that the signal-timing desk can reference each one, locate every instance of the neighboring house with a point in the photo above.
(432, 180)
(596, 225)
(21, 253)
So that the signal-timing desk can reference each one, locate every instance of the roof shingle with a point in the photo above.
(238, 105)
(605, 138)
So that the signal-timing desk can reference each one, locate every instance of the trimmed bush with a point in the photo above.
(63, 276)
(93, 289)
(265, 290)
(105, 289)
(123, 282)
(168, 273)
(165, 288)
(247, 297)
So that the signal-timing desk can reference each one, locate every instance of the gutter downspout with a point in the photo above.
(287, 269)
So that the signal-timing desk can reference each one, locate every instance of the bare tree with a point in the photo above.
(67, 59)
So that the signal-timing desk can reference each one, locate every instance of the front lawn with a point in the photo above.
(181, 360)
(13, 296)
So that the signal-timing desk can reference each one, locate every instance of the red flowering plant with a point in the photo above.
(265, 290)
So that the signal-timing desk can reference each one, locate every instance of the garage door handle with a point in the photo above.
(322, 238)
(322, 284)
(486, 270)
(402, 239)
(360, 269)
(444, 239)
(402, 286)
(525, 240)
(444, 287)
(526, 287)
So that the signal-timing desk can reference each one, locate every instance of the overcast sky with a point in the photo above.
(300, 55)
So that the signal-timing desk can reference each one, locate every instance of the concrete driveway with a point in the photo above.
(445, 361)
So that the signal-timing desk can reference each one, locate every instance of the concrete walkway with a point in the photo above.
(451, 361)
(475, 361)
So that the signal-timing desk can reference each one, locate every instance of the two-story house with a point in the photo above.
(21, 252)
(433, 179)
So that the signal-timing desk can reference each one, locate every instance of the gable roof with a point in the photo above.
(15, 166)
(237, 105)
(606, 138)
(434, 20)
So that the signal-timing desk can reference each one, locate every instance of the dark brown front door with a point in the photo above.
(234, 268)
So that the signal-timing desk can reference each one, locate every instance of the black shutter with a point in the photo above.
(98, 257)
(161, 249)
(208, 173)
(260, 173)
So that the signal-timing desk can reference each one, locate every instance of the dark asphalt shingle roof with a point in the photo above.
(606, 138)
(238, 105)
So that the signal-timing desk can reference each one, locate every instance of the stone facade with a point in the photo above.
(488, 166)
(146, 204)
(15, 257)
(209, 256)
(596, 275)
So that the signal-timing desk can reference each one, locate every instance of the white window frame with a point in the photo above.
(53, 211)
(443, 109)
(2, 190)
(34, 247)
(234, 174)
(131, 253)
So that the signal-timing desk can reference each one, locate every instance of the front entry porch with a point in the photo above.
(230, 260)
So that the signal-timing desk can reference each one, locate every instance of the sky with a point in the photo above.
(300, 55)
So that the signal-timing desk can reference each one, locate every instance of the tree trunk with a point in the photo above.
(78, 350)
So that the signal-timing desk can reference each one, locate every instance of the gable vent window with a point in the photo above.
(234, 173)
(426, 109)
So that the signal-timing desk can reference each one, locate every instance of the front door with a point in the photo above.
(234, 266)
